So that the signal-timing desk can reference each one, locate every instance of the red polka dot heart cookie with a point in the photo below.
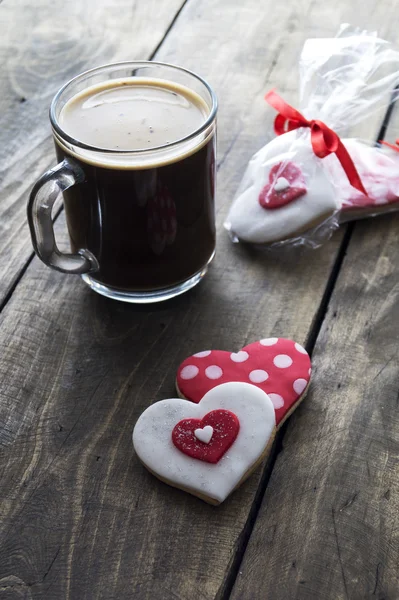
(210, 441)
(278, 366)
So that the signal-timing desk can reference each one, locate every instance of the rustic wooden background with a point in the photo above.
(80, 518)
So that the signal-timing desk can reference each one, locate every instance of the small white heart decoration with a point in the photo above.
(281, 184)
(205, 434)
(152, 440)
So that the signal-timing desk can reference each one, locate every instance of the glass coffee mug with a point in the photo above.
(135, 143)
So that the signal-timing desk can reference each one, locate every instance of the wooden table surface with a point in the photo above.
(80, 518)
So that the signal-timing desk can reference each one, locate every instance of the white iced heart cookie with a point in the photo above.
(236, 422)
(315, 201)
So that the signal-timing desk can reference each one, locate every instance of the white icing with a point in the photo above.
(282, 361)
(189, 372)
(300, 348)
(152, 438)
(202, 354)
(205, 434)
(268, 341)
(258, 376)
(299, 385)
(239, 357)
(213, 372)
(281, 184)
(250, 222)
(278, 401)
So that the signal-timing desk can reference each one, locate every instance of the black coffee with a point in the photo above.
(149, 223)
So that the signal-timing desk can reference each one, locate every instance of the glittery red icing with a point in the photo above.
(270, 198)
(225, 426)
(278, 366)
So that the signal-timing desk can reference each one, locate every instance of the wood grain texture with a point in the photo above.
(329, 523)
(328, 526)
(42, 45)
(80, 517)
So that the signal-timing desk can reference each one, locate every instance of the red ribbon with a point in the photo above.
(324, 140)
(391, 145)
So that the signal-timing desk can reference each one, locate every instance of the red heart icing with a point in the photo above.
(225, 427)
(278, 366)
(270, 198)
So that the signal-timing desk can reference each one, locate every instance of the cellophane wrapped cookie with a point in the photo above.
(300, 186)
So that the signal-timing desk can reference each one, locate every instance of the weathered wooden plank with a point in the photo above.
(328, 526)
(42, 45)
(80, 517)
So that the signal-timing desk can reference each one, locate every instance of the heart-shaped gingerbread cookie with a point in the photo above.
(209, 448)
(278, 366)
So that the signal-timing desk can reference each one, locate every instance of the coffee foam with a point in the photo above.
(140, 115)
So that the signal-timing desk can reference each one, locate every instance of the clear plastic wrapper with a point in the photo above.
(289, 195)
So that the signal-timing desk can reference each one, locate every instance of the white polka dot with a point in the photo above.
(310, 372)
(202, 354)
(189, 372)
(269, 341)
(278, 401)
(258, 376)
(300, 348)
(213, 372)
(282, 361)
(238, 357)
(300, 385)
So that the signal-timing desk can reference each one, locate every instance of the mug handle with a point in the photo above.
(41, 201)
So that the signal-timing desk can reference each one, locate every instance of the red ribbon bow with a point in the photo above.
(324, 140)
(391, 145)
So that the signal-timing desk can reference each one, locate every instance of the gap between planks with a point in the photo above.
(168, 30)
(224, 592)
